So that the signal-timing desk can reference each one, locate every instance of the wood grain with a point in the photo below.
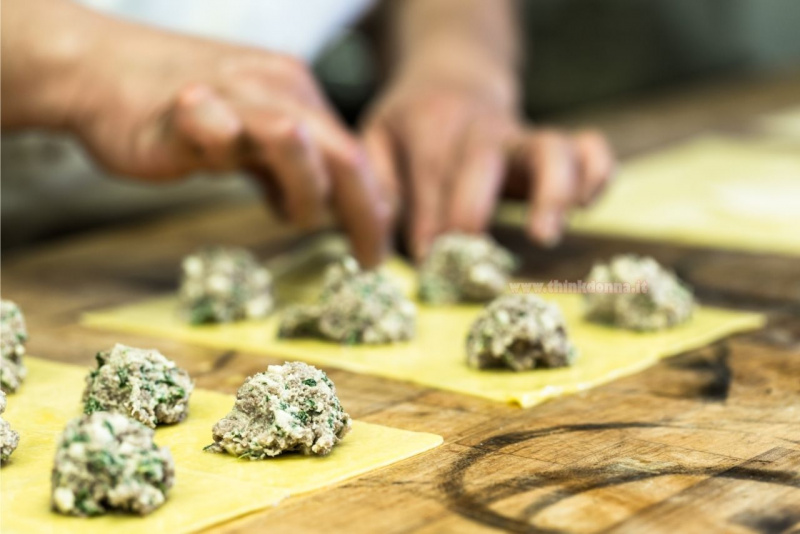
(708, 441)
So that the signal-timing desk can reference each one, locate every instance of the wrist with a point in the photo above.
(456, 62)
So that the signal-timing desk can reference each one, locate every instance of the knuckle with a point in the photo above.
(292, 67)
(191, 94)
(556, 191)
(288, 132)
(349, 155)
(591, 135)
(562, 194)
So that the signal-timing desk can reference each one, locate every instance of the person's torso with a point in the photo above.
(297, 27)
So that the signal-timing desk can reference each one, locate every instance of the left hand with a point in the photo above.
(446, 141)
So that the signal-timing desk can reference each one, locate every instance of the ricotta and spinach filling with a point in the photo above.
(221, 285)
(290, 407)
(637, 293)
(9, 438)
(465, 268)
(106, 462)
(519, 332)
(13, 336)
(354, 307)
(139, 383)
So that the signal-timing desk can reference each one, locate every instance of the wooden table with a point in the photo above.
(705, 441)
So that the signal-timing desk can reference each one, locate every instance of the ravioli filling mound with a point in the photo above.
(290, 407)
(355, 307)
(9, 439)
(520, 332)
(221, 285)
(465, 268)
(107, 462)
(637, 293)
(13, 336)
(139, 383)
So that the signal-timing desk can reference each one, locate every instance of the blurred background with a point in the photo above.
(584, 60)
(580, 53)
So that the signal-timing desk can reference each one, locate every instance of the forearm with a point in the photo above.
(487, 26)
(456, 41)
(45, 44)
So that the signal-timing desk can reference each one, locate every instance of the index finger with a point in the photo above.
(553, 172)
(477, 181)
(360, 203)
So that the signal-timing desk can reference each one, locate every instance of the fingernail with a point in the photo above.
(548, 226)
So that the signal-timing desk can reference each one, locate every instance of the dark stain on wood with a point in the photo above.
(476, 504)
(769, 521)
(713, 369)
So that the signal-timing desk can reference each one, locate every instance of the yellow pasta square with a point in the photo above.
(436, 357)
(712, 192)
(209, 488)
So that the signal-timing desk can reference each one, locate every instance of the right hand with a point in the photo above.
(156, 105)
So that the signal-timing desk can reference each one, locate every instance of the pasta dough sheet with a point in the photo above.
(209, 488)
(712, 192)
(436, 357)
(784, 124)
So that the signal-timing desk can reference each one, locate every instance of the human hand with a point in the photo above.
(156, 106)
(446, 139)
